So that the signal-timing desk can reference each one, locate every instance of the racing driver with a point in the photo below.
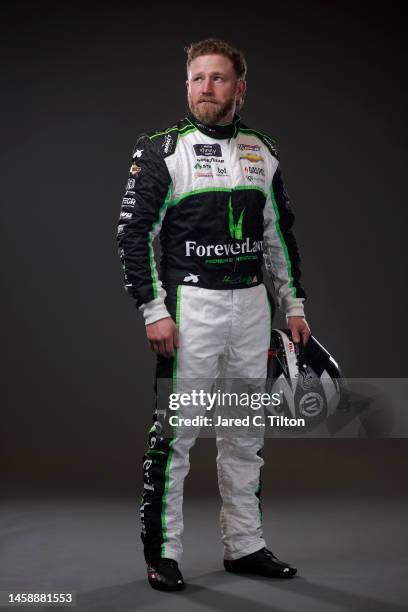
(212, 188)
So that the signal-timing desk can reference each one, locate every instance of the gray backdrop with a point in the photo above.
(328, 81)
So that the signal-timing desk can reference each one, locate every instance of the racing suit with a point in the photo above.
(216, 196)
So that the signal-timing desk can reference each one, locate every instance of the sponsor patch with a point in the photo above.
(135, 170)
(199, 166)
(168, 144)
(239, 280)
(221, 171)
(223, 250)
(255, 179)
(252, 157)
(201, 174)
(218, 160)
(208, 150)
(128, 201)
(130, 184)
(248, 147)
(254, 170)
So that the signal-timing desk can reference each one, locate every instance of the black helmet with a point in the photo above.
(308, 379)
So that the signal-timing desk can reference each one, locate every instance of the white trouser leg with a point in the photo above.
(234, 326)
(204, 320)
(238, 460)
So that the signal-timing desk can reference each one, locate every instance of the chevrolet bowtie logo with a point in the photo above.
(252, 157)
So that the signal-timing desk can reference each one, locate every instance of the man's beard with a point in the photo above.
(210, 112)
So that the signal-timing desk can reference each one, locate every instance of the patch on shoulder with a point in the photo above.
(168, 143)
(270, 144)
(267, 140)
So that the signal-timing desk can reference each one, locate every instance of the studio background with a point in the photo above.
(327, 81)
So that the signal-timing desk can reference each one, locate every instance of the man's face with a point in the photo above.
(213, 89)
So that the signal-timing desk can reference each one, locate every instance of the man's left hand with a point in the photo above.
(299, 329)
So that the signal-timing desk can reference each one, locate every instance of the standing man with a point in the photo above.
(213, 189)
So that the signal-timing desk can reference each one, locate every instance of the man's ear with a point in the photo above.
(242, 87)
(240, 94)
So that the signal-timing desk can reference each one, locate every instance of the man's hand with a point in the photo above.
(299, 329)
(163, 336)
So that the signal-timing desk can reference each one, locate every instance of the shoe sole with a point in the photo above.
(284, 575)
(160, 586)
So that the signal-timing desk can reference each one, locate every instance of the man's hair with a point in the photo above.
(211, 46)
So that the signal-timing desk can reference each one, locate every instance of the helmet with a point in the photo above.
(308, 379)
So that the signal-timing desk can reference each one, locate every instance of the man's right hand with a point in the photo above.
(163, 336)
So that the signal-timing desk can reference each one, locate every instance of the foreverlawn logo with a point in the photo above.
(245, 250)
(235, 228)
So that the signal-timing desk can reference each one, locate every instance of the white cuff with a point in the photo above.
(295, 308)
(154, 311)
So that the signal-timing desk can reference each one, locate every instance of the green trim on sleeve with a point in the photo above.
(151, 236)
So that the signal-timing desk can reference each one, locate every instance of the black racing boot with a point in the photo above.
(165, 575)
(263, 563)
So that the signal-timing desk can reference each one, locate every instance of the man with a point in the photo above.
(213, 189)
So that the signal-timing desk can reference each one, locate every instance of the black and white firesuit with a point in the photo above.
(215, 196)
